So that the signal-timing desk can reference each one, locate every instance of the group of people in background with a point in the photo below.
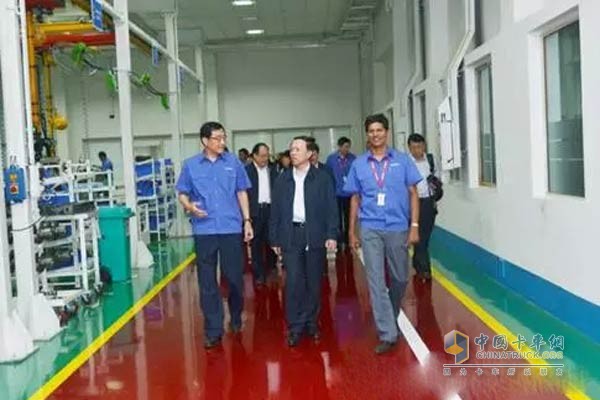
(296, 210)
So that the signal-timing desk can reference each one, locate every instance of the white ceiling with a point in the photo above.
(218, 22)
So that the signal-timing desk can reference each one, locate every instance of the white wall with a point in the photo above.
(552, 236)
(290, 88)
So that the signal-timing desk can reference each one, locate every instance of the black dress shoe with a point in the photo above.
(314, 333)
(384, 347)
(293, 339)
(210, 343)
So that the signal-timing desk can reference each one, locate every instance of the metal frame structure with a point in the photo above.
(40, 321)
(67, 284)
(37, 314)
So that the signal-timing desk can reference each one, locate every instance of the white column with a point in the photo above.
(124, 68)
(36, 312)
(174, 104)
(174, 89)
(199, 55)
(212, 94)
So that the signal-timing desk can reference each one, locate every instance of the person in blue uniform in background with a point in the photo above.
(106, 164)
(212, 190)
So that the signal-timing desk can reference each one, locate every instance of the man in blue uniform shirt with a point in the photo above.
(340, 162)
(212, 190)
(106, 164)
(383, 183)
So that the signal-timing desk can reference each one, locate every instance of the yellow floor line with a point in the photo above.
(101, 340)
(570, 391)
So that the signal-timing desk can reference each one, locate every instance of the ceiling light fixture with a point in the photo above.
(240, 3)
(255, 31)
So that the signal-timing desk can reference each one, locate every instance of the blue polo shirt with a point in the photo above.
(213, 187)
(402, 173)
(340, 167)
(107, 165)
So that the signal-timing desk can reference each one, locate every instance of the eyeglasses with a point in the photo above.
(219, 138)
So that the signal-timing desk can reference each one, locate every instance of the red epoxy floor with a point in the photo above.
(159, 355)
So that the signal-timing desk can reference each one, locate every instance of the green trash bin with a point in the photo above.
(115, 249)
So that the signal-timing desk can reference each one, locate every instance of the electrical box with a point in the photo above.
(15, 190)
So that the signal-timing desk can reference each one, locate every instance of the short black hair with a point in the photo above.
(343, 140)
(208, 127)
(416, 138)
(257, 147)
(306, 139)
(101, 154)
(314, 147)
(382, 119)
(284, 154)
(244, 151)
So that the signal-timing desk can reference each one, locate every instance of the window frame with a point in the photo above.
(482, 65)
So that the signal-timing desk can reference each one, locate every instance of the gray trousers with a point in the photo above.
(379, 246)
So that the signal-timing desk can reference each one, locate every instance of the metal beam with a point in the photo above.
(113, 12)
(124, 68)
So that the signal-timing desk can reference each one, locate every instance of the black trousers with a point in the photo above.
(344, 211)
(263, 258)
(421, 258)
(303, 282)
(209, 248)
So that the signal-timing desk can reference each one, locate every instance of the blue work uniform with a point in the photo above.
(107, 165)
(340, 166)
(213, 186)
(383, 187)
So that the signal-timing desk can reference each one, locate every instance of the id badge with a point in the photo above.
(381, 199)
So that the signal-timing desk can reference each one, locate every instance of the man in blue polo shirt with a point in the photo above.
(212, 190)
(340, 162)
(383, 184)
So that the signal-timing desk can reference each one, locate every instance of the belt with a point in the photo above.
(264, 205)
(298, 224)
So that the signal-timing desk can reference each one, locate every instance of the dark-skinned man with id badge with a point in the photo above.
(385, 199)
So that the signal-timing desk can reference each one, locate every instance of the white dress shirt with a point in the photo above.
(264, 186)
(424, 169)
(299, 210)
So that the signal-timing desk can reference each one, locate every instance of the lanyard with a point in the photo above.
(380, 179)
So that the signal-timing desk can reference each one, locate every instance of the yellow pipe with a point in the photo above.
(63, 27)
(50, 114)
(33, 82)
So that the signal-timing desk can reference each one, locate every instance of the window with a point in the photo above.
(563, 112)
(487, 149)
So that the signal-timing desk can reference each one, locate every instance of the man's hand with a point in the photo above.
(331, 245)
(196, 212)
(276, 250)
(248, 231)
(413, 236)
(353, 241)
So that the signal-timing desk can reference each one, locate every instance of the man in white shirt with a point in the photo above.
(262, 175)
(304, 225)
(427, 205)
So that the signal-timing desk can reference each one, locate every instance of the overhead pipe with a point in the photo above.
(453, 70)
(108, 21)
(148, 39)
